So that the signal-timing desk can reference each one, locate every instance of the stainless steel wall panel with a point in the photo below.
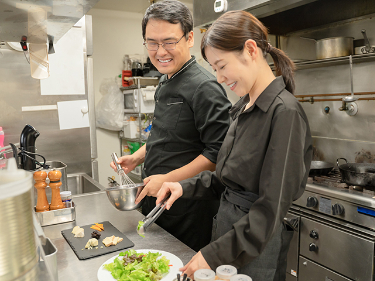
(18, 89)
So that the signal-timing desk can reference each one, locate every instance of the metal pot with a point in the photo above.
(334, 47)
(361, 174)
(320, 168)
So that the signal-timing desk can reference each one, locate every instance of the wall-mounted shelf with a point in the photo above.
(331, 61)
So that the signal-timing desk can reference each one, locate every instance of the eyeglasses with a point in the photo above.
(153, 46)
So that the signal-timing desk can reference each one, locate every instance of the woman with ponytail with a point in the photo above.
(263, 164)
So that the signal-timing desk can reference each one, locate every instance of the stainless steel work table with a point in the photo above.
(95, 207)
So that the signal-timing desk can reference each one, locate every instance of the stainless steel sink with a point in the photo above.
(79, 183)
(82, 183)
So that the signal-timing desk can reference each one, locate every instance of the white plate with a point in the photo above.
(105, 275)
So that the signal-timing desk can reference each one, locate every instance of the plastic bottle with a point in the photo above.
(2, 161)
(225, 272)
(126, 71)
(1, 137)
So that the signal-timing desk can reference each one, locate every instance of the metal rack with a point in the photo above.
(139, 112)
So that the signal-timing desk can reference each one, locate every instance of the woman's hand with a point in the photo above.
(173, 188)
(197, 262)
(127, 162)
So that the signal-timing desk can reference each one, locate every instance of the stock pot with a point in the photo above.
(334, 47)
(361, 174)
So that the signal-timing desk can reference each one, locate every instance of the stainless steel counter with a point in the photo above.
(95, 207)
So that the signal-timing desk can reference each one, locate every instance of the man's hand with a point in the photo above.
(153, 184)
(127, 163)
(197, 262)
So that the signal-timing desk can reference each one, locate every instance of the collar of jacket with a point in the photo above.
(164, 79)
(264, 100)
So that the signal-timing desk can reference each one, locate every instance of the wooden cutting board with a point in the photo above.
(77, 244)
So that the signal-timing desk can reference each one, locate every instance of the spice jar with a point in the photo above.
(225, 272)
(240, 277)
(204, 275)
(66, 198)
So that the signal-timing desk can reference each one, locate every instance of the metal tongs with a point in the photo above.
(153, 215)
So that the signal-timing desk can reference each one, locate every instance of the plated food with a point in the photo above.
(158, 265)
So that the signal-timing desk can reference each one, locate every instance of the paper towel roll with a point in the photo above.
(148, 93)
(39, 61)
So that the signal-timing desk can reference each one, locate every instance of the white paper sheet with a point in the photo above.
(66, 66)
(73, 114)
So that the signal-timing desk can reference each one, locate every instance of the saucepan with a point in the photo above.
(360, 174)
(320, 168)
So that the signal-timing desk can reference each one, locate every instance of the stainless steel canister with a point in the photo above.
(334, 47)
(58, 165)
(17, 240)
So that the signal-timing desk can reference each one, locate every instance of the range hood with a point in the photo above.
(286, 17)
(204, 13)
(41, 21)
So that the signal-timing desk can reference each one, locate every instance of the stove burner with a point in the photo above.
(333, 179)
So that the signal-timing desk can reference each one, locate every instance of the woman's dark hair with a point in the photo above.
(171, 11)
(234, 28)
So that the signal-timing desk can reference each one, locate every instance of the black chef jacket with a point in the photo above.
(191, 117)
(267, 151)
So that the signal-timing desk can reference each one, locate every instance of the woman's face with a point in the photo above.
(236, 70)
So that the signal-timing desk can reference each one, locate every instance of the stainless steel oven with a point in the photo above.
(336, 232)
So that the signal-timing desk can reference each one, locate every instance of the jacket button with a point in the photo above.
(154, 117)
(144, 168)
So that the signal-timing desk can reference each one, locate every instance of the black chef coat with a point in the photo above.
(191, 117)
(267, 151)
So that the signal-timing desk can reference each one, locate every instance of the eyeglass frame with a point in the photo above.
(162, 44)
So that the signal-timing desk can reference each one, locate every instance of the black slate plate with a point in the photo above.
(77, 244)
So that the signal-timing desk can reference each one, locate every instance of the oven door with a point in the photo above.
(337, 248)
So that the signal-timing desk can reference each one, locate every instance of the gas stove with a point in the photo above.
(329, 196)
(336, 222)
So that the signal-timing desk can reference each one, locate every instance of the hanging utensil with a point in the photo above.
(367, 48)
(350, 98)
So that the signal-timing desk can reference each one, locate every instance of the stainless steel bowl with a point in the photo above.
(123, 197)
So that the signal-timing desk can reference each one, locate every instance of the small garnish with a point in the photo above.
(140, 223)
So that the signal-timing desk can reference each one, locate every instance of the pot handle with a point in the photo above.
(337, 161)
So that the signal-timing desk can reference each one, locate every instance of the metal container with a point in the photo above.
(56, 216)
(122, 197)
(334, 47)
(17, 239)
(58, 165)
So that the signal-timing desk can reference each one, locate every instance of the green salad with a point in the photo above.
(132, 266)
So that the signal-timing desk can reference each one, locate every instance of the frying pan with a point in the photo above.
(361, 174)
(320, 168)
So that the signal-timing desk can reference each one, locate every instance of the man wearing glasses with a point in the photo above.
(191, 119)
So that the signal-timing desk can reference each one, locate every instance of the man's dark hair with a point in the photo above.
(171, 11)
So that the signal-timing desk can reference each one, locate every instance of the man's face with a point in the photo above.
(168, 61)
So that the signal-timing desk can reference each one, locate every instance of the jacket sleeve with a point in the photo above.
(211, 114)
(282, 176)
(204, 186)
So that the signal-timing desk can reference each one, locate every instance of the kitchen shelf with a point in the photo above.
(331, 61)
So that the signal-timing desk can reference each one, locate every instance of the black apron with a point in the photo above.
(270, 265)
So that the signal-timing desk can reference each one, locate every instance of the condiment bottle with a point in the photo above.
(55, 183)
(66, 198)
(204, 275)
(40, 185)
(241, 277)
(225, 272)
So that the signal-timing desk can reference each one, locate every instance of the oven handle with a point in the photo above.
(292, 222)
